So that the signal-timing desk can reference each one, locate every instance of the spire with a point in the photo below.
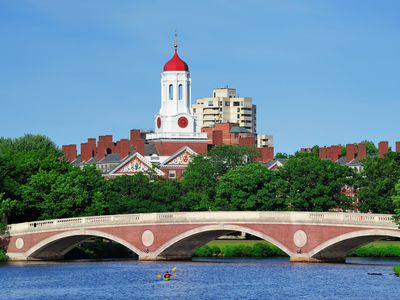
(175, 41)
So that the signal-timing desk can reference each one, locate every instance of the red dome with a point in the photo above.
(176, 64)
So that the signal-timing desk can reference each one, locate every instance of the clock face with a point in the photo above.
(158, 122)
(183, 122)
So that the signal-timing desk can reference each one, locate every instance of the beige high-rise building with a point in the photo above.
(225, 106)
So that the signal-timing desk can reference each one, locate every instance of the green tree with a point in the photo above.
(65, 191)
(315, 184)
(396, 202)
(227, 157)
(280, 155)
(251, 187)
(371, 149)
(199, 183)
(377, 183)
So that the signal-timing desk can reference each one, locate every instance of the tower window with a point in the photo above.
(180, 92)
(171, 92)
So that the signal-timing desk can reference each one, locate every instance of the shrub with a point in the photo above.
(397, 270)
(3, 256)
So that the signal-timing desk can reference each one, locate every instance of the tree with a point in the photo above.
(377, 183)
(227, 157)
(280, 155)
(315, 184)
(199, 183)
(251, 187)
(65, 191)
(371, 149)
(396, 202)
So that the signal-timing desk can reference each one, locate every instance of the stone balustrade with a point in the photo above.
(291, 217)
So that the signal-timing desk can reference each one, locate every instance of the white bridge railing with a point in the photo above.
(286, 217)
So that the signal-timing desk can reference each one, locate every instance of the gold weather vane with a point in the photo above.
(175, 41)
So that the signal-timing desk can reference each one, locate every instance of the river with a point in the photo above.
(202, 279)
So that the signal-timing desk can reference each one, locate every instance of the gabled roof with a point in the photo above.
(134, 163)
(276, 163)
(181, 158)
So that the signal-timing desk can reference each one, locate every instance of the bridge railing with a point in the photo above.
(328, 218)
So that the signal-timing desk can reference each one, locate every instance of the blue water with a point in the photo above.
(211, 279)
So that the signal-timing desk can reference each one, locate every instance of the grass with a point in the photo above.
(378, 249)
(259, 248)
(239, 248)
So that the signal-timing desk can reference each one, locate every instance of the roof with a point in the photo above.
(176, 64)
(150, 149)
(238, 129)
(110, 158)
(279, 162)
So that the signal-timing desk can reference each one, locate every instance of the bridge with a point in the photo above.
(304, 236)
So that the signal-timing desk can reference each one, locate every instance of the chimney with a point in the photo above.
(351, 150)
(362, 151)
(323, 152)
(123, 148)
(135, 135)
(266, 154)
(383, 148)
(335, 152)
(70, 152)
(88, 150)
(398, 147)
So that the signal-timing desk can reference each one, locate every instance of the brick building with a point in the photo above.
(175, 140)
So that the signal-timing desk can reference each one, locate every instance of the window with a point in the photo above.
(227, 103)
(220, 103)
(180, 92)
(236, 103)
(171, 92)
(238, 116)
(172, 174)
(214, 94)
(210, 103)
(238, 110)
(194, 110)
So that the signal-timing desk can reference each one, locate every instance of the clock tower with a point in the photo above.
(175, 119)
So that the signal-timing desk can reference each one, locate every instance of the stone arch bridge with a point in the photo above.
(304, 236)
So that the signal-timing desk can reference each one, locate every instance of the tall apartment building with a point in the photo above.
(225, 107)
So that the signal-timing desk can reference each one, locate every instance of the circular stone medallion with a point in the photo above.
(300, 238)
(19, 243)
(147, 238)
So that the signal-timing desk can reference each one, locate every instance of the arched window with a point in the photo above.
(171, 92)
(180, 92)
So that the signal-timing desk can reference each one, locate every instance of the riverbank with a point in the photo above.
(259, 248)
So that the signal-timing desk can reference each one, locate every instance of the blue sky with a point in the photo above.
(321, 72)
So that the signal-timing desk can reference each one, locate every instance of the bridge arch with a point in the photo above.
(337, 248)
(184, 245)
(56, 246)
